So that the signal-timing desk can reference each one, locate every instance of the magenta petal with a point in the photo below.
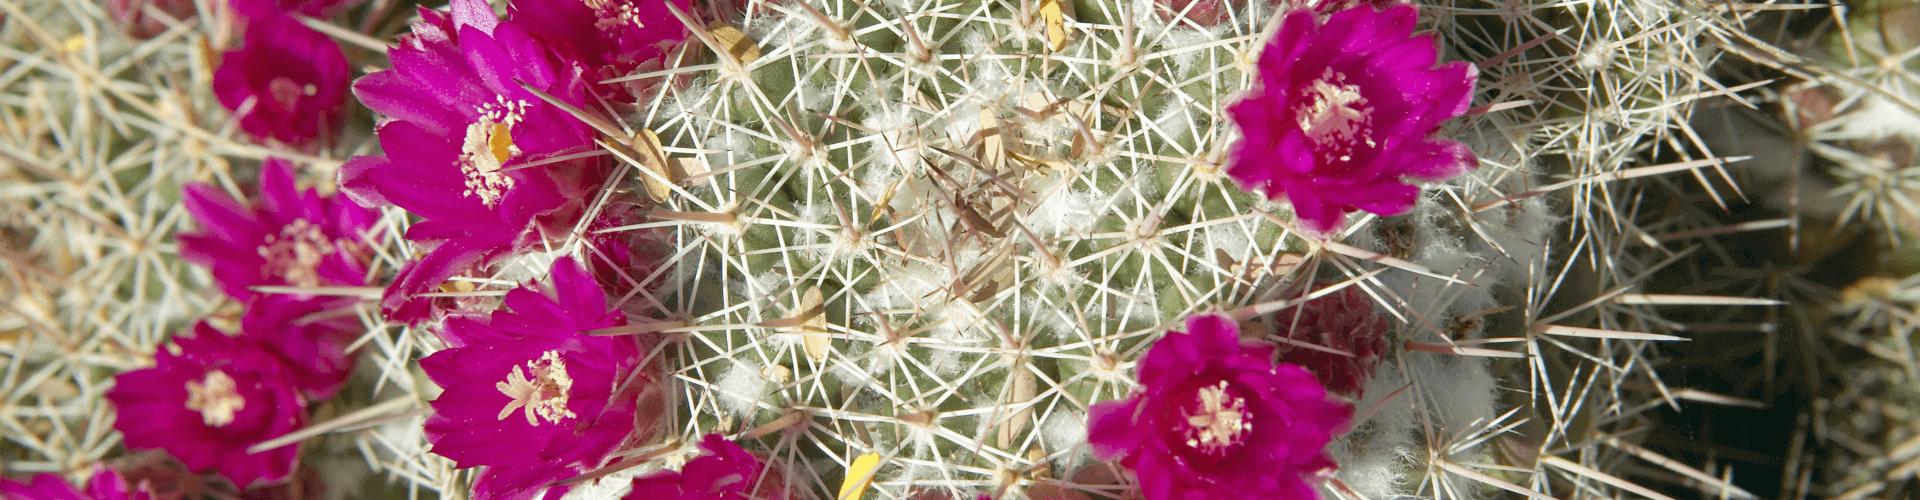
(245, 397)
(626, 36)
(286, 237)
(1277, 419)
(529, 395)
(474, 13)
(1107, 424)
(456, 87)
(43, 487)
(1386, 97)
(401, 302)
(310, 336)
(358, 186)
(293, 78)
(399, 98)
(725, 472)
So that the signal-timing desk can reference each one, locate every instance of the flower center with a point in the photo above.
(544, 395)
(1335, 115)
(216, 398)
(487, 147)
(294, 255)
(1218, 420)
(287, 93)
(610, 14)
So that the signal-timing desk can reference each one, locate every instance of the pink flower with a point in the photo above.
(286, 237)
(726, 472)
(287, 83)
(612, 38)
(105, 485)
(1344, 112)
(1217, 419)
(531, 397)
(1344, 320)
(210, 397)
(469, 150)
(292, 237)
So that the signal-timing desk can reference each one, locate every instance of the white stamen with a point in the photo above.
(1337, 114)
(217, 398)
(544, 395)
(612, 14)
(487, 147)
(295, 254)
(1219, 420)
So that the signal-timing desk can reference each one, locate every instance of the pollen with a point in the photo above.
(487, 147)
(295, 253)
(216, 398)
(1218, 420)
(544, 395)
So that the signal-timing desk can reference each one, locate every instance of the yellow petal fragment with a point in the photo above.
(859, 475)
(658, 176)
(735, 41)
(1051, 12)
(816, 341)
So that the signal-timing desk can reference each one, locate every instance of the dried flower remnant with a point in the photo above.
(1344, 320)
(286, 237)
(624, 261)
(1210, 13)
(1215, 419)
(286, 82)
(469, 150)
(311, 8)
(1344, 113)
(105, 485)
(725, 472)
(566, 399)
(210, 397)
(626, 37)
(133, 18)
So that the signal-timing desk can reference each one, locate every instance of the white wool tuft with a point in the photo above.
(741, 387)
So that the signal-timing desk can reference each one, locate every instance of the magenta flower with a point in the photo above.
(612, 38)
(210, 397)
(310, 335)
(726, 472)
(1216, 419)
(529, 395)
(286, 237)
(286, 82)
(1344, 112)
(470, 151)
(1344, 320)
(105, 485)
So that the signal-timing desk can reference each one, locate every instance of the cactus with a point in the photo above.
(935, 232)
